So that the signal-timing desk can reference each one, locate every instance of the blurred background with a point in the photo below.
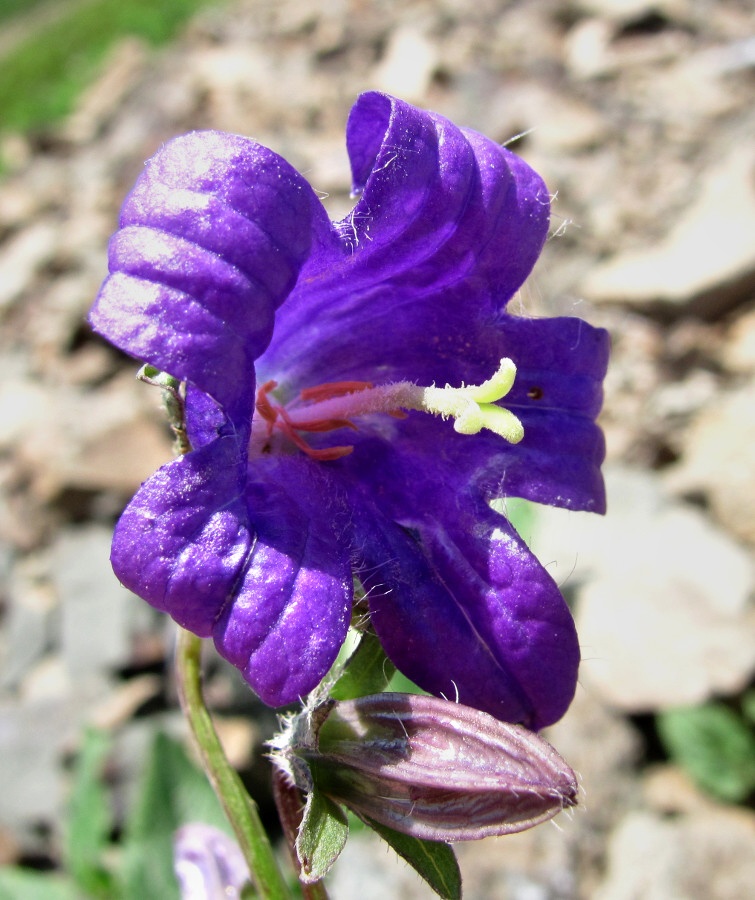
(640, 116)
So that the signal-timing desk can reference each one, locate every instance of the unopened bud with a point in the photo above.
(436, 769)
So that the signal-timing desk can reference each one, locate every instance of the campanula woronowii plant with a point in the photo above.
(328, 443)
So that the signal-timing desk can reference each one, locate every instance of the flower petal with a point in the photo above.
(290, 610)
(467, 612)
(212, 240)
(183, 540)
(557, 393)
(448, 226)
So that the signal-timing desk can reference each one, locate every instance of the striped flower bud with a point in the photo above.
(435, 769)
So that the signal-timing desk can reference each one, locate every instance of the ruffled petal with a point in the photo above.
(183, 540)
(447, 227)
(212, 240)
(467, 612)
(290, 609)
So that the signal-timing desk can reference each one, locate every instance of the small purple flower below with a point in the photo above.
(296, 337)
(208, 864)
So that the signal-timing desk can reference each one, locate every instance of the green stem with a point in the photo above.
(238, 805)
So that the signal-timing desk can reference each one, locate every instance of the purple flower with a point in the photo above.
(208, 863)
(228, 274)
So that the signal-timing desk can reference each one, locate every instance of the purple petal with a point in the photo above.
(212, 240)
(184, 538)
(220, 238)
(467, 612)
(447, 228)
(291, 607)
(557, 393)
(208, 863)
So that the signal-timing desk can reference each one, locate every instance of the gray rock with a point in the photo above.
(23, 255)
(718, 461)
(663, 598)
(29, 624)
(706, 263)
(95, 608)
(695, 857)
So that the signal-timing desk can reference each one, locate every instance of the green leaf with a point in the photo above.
(368, 671)
(173, 792)
(748, 706)
(432, 860)
(23, 884)
(322, 836)
(89, 819)
(715, 747)
(400, 684)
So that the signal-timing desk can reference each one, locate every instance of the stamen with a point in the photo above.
(330, 389)
(330, 406)
(263, 404)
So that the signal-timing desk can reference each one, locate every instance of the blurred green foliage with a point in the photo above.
(42, 74)
(172, 792)
(9, 8)
(715, 745)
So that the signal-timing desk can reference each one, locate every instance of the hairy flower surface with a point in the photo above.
(290, 331)
(435, 769)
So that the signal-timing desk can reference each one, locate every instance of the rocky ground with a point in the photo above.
(639, 115)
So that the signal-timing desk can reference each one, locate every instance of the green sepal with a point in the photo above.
(368, 670)
(322, 835)
(433, 861)
(152, 375)
(715, 746)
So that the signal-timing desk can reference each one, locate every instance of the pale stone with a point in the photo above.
(23, 404)
(408, 65)
(587, 48)
(695, 857)
(48, 680)
(22, 255)
(739, 349)
(28, 620)
(669, 790)
(122, 703)
(557, 123)
(112, 439)
(664, 609)
(673, 623)
(628, 10)
(94, 606)
(718, 460)
(706, 261)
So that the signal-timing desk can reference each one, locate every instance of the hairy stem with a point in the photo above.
(238, 805)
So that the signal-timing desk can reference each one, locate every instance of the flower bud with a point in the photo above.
(435, 769)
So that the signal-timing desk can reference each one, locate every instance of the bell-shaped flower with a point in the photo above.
(315, 356)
